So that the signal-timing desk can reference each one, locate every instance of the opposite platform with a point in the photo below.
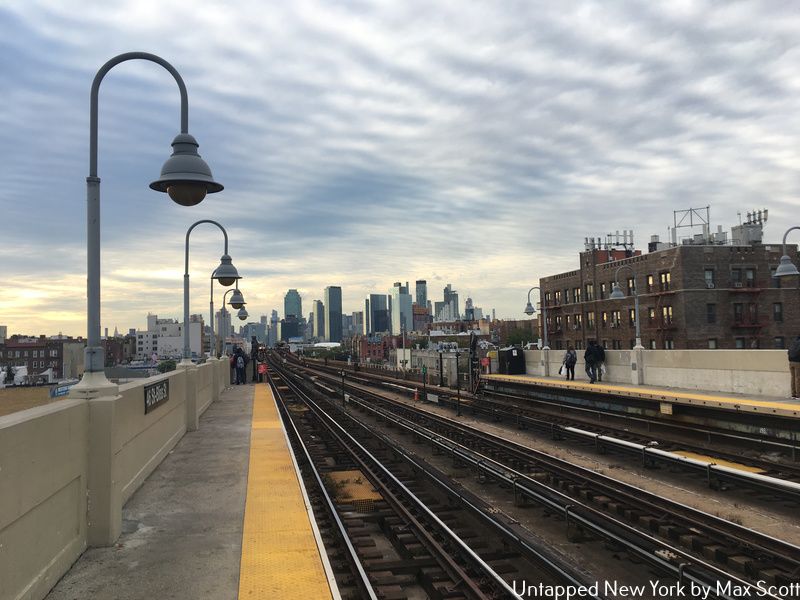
(755, 404)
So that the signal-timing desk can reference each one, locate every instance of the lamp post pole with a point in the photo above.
(226, 274)
(185, 177)
(617, 294)
(441, 369)
(529, 310)
(458, 387)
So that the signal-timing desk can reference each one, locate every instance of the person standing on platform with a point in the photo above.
(590, 357)
(600, 362)
(794, 366)
(240, 365)
(570, 358)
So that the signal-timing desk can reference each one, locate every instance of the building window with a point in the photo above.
(615, 344)
(665, 279)
(652, 344)
(708, 274)
(604, 319)
(566, 295)
(631, 285)
(578, 344)
(578, 321)
(736, 277)
(576, 295)
(666, 315)
(616, 318)
(558, 298)
(740, 343)
(752, 311)
(590, 320)
(711, 313)
(649, 283)
(651, 314)
(750, 278)
(738, 312)
(547, 298)
(632, 317)
(777, 312)
(778, 342)
(669, 344)
(602, 291)
(712, 343)
(590, 291)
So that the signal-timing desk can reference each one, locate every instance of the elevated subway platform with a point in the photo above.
(756, 404)
(223, 516)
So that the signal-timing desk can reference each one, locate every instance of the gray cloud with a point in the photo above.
(362, 143)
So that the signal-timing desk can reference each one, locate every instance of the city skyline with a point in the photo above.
(481, 145)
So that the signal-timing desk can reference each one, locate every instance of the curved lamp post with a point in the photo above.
(786, 267)
(225, 273)
(618, 294)
(185, 176)
(529, 310)
(237, 301)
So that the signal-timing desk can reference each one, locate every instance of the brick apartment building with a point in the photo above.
(693, 296)
(64, 355)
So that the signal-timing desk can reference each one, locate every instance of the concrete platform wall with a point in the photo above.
(43, 483)
(67, 468)
(756, 372)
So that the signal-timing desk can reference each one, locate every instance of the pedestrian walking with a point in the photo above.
(240, 365)
(590, 357)
(794, 366)
(570, 358)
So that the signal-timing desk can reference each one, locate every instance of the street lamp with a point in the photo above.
(237, 301)
(618, 294)
(529, 310)
(185, 176)
(242, 314)
(458, 387)
(225, 273)
(786, 267)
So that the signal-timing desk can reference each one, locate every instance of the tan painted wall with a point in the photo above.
(54, 457)
(141, 441)
(43, 479)
(760, 372)
(757, 372)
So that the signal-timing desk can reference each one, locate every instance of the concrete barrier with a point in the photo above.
(754, 372)
(43, 481)
(67, 469)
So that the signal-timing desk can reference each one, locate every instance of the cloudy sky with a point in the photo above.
(363, 143)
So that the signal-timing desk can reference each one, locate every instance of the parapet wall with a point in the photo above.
(756, 372)
(67, 468)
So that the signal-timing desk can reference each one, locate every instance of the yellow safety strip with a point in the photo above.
(280, 555)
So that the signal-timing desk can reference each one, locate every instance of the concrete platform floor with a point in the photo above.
(182, 530)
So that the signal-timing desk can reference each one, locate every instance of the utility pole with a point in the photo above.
(343, 395)
(458, 387)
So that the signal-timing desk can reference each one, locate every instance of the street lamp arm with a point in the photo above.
(630, 268)
(189, 231)
(536, 287)
(96, 89)
(785, 235)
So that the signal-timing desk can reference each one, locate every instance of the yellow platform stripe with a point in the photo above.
(280, 556)
(651, 393)
(718, 461)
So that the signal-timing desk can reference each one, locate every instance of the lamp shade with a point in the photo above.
(529, 310)
(242, 314)
(185, 176)
(786, 267)
(237, 299)
(226, 273)
(616, 293)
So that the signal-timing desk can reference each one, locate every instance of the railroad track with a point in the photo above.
(717, 546)
(780, 479)
(411, 540)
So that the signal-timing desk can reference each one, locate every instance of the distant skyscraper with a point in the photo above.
(402, 316)
(376, 314)
(272, 333)
(422, 293)
(319, 319)
(451, 298)
(333, 313)
(292, 304)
